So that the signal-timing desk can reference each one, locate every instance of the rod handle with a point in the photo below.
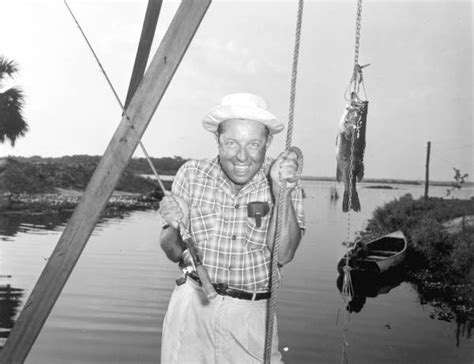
(206, 282)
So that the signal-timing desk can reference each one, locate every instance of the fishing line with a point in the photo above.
(183, 230)
(157, 176)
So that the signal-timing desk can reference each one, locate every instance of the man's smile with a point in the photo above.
(241, 167)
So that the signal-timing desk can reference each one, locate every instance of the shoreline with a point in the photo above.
(66, 200)
(394, 181)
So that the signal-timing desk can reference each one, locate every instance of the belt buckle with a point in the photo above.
(221, 288)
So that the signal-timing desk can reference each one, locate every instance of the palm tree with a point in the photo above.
(12, 123)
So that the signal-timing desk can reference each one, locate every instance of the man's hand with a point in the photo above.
(285, 168)
(174, 208)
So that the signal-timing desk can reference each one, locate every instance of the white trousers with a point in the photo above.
(219, 331)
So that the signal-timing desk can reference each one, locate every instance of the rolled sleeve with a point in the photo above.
(297, 201)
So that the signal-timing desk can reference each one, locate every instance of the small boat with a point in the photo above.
(378, 255)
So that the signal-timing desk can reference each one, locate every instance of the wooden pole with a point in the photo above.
(105, 177)
(143, 51)
(427, 169)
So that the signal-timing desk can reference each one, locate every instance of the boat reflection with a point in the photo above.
(370, 284)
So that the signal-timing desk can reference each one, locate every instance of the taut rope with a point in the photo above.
(274, 281)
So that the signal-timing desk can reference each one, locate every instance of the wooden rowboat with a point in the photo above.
(378, 255)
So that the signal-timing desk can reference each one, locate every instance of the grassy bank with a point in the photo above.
(36, 185)
(440, 262)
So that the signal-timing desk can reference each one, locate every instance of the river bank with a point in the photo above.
(440, 259)
(63, 201)
(32, 186)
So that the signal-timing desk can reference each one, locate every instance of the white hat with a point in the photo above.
(242, 106)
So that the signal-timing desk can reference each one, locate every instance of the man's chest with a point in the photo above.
(217, 215)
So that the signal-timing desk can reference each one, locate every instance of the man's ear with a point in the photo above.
(269, 141)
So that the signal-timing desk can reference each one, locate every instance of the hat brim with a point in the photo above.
(228, 112)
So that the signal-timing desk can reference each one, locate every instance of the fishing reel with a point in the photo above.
(187, 266)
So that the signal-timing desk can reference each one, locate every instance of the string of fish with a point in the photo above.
(353, 122)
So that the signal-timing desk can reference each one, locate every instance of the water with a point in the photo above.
(112, 307)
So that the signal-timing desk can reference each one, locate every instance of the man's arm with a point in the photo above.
(285, 168)
(173, 209)
(290, 234)
(171, 243)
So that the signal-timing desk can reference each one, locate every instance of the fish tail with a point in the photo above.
(355, 201)
(345, 201)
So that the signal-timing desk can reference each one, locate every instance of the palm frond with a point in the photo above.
(12, 122)
(7, 67)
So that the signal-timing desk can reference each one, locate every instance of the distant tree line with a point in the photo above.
(165, 165)
(43, 175)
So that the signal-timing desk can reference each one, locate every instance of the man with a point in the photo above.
(212, 198)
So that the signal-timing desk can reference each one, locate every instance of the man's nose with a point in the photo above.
(241, 154)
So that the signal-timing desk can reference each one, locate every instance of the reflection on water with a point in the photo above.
(10, 225)
(368, 284)
(448, 302)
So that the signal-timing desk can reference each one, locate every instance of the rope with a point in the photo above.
(296, 51)
(357, 34)
(281, 205)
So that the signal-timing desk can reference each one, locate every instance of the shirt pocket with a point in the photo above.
(203, 221)
(256, 236)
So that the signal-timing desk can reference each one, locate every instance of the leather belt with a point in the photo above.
(224, 290)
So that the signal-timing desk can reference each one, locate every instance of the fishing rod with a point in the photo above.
(183, 230)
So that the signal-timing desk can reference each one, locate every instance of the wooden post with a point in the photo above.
(143, 51)
(105, 177)
(427, 169)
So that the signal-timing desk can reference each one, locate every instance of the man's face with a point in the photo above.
(242, 148)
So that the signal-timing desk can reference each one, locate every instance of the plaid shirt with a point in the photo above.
(233, 247)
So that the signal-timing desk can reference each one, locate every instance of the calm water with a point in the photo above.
(113, 305)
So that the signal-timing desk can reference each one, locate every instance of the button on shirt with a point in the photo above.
(234, 249)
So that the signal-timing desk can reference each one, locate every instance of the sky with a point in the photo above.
(419, 83)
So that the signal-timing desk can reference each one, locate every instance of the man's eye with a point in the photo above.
(254, 145)
(230, 144)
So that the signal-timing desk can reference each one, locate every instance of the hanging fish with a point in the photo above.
(350, 142)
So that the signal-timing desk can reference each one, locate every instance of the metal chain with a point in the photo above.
(347, 289)
(356, 90)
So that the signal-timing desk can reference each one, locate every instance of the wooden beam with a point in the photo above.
(143, 51)
(118, 153)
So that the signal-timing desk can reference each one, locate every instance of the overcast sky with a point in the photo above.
(419, 82)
